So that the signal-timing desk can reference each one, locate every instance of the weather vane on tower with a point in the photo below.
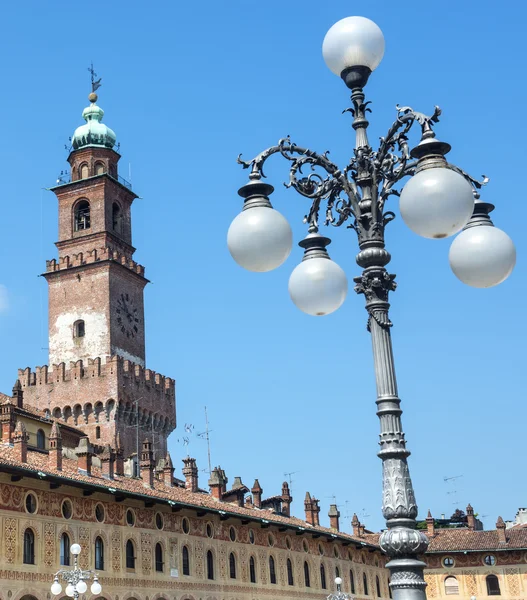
(95, 85)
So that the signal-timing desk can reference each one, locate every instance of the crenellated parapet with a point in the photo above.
(105, 396)
(93, 256)
(97, 367)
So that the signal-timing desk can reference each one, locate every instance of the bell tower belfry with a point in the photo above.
(96, 309)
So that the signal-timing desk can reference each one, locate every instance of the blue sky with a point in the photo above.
(186, 87)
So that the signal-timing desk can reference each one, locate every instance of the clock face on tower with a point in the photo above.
(127, 315)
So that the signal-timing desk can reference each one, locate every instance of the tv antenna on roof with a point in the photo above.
(204, 435)
(290, 478)
(446, 479)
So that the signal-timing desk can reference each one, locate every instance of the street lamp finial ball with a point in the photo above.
(75, 549)
(353, 42)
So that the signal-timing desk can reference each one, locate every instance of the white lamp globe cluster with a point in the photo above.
(80, 587)
(437, 202)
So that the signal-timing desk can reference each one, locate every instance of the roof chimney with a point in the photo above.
(107, 462)
(471, 521)
(168, 471)
(8, 422)
(312, 510)
(217, 482)
(147, 464)
(286, 499)
(355, 523)
(119, 456)
(430, 529)
(18, 394)
(190, 471)
(20, 439)
(500, 526)
(257, 494)
(84, 453)
(334, 515)
(55, 447)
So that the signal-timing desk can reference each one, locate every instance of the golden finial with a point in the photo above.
(92, 97)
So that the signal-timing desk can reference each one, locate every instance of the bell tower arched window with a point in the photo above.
(99, 168)
(84, 171)
(82, 216)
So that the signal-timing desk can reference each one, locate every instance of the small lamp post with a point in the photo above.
(75, 578)
(340, 595)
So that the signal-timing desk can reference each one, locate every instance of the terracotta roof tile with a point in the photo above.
(459, 540)
(38, 463)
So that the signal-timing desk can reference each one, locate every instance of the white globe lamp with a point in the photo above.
(56, 588)
(96, 587)
(436, 203)
(70, 590)
(482, 255)
(75, 549)
(317, 286)
(353, 42)
(260, 238)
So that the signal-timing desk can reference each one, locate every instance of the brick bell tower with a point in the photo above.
(97, 378)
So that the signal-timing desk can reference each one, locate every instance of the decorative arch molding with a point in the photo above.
(132, 596)
(29, 524)
(27, 594)
(102, 534)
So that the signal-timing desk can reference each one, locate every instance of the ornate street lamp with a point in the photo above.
(438, 201)
(340, 595)
(75, 578)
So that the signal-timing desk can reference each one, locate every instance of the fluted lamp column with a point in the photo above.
(438, 200)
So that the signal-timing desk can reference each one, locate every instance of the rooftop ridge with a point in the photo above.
(96, 367)
(92, 256)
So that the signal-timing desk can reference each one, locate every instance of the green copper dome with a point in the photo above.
(93, 132)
